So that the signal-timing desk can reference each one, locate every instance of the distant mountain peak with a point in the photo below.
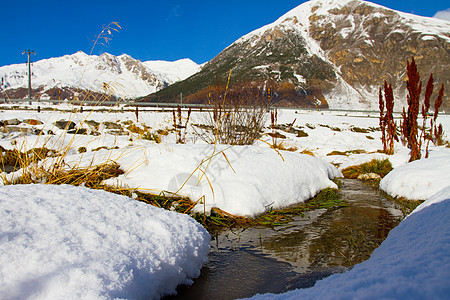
(336, 51)
(131, 77)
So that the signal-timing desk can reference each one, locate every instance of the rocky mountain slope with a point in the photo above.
(120, 76)
(328, 53)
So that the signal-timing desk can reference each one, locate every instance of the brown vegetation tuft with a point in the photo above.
(178, 124)
(389, 128)
(410, 132)
(380, 167)
(237, 117)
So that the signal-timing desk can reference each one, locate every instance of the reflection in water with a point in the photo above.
(260, 260)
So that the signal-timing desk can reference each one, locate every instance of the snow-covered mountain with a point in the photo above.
(334, 53)
(121, 76)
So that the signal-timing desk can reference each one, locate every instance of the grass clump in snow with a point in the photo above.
(346, 153)
(178, 204)
(307, 152)
(155, 136)
(149, 136)
(405, 205)
(380, 167)
(15, 159)
(331, 127)
(135, 129)
(219, 219)
(91, 177)
(359, 130)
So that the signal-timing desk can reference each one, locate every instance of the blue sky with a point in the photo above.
(151, 30)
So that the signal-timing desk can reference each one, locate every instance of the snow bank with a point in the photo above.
(436, 198)
(419, 179)
(66, 242)
(242, 180)
(412, 263)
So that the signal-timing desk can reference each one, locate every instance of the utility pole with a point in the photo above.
(1, 87)
(29, 52)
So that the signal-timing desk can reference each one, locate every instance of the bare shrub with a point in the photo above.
(178, 125)
(237, 117)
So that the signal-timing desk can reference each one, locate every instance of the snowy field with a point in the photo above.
(242, 180)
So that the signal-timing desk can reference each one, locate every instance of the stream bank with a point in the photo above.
(244, 262)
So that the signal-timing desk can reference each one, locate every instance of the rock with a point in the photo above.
(12, 122)
(369, 176)
(112, 125)
(32, 122)
(77, 131)
(65, 125)
(93, 124)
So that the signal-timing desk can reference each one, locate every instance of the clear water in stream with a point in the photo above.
(246, 262)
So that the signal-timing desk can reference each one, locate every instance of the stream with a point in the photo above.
(245, 262)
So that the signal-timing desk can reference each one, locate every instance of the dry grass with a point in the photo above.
(380, 167)
(346, 153)
(405, 205)
(237, 117)
(219, 219)
(18, 159)
(283, 146)
(359, 130)
(91, 177)
(307, 152)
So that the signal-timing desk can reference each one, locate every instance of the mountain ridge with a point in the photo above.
(120, 76)
(333, 52)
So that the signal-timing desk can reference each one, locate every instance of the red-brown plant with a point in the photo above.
(436, 131)
(425, 109)
(391, 127)
(408, 125)
(414, 86)
(387, 123)
(382, 122)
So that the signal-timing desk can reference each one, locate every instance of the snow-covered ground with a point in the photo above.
(420, 179)
(66, 242)
(243, 180)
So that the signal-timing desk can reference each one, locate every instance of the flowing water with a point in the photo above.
(243, 263)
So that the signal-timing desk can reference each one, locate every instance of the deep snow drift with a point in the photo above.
(412, 263)
(419, 179)
(242, 180)
(66, 242)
